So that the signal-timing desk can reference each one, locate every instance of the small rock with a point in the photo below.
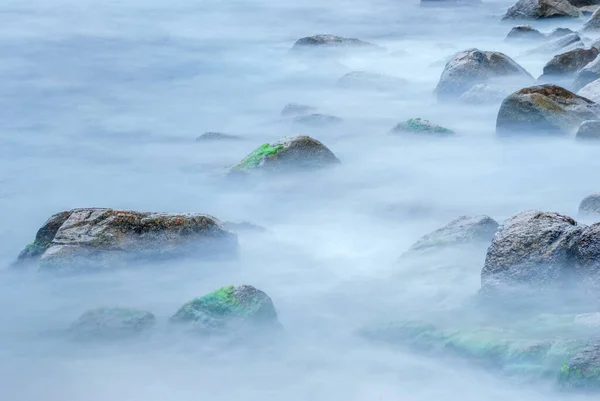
(296, 109)
(593, 24)
(569, 62)
(367, 80)
(296, 152)
(537, 9)
(589, 130)
(560, 32)
(590, 205)
(216, 136)
(525, 33)
(316, 120)
(111, 324)
(330, 41)
(421, 126)
(544, 110)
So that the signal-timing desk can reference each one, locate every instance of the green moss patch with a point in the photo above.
(254, 159)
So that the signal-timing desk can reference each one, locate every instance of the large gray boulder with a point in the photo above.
(530, 256)
(588, 74)
(544, 110)
(589, 130)
(593, 24)
(590, 206)
(228, 309)
(111, 324)
(473, 66)
(569, 63)
(295, 152)
(537, 9)
(105, 238)
(582, 371)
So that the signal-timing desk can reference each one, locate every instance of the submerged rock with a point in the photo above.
(588, 74)
(229, 309)
(590, 205)
(368, 80)
(589, 130)
(570, 62)
(296, 109)
(582, 371)
(525, 33)
(560, 32)
(105, 238)
(473, 66)
(484, 94)
(560, 44)
(420, 126)
(295, 152)
(544, 110)
(593, 24)
(324, 40)
(111, 324)
(216, 136)
(316, 120)
(537, 9)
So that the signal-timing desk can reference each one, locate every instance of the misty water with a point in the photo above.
(101, 102)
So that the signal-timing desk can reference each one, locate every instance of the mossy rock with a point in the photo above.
(421, 126)
(583, 370)
(228, 308)
(111, 324)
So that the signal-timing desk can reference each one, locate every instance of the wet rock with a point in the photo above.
(560, 32)
(420, 126)
(584, 3)
(585, 254)
(559, 45)
(228, 309)
(473, 66)
(325, 40)
(589, 130)
(295, 152)
(217, 136)
(593, 24)
(111, 324)
(570, 62)
(463, 230)
(588, 74)
(543, 110)
(316, 120)
(591, 91)
(590, 205)
(105, 238)
(537, 9)
(582, 371)
(525, 33)
(367, 80)
(296, 109)
(530, 257)
(483, 94)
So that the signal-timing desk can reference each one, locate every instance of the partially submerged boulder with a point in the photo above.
(316, 120)
(560, 32)
(228, 309)
(370, 81)
(588, 74)
(589, 130)
(525, 33)
(295, 152)
(544, 110)
(216, 137)
(111, 324)
(473, 66)
(106, 238)
(570, 62)
(530, 256)
(326, 40)
(537, 9)
(593, 24)
(559, 45)
(590, 205)
(296, 109)
(420, 126)
(582, 371)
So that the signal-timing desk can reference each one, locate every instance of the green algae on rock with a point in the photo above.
(229, 306)
(583, 370)
(111, 324)
(254, 159)
(418, 125)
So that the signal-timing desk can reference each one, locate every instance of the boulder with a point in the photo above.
(582, 371)
(370, 81)
(544, 110)
(316, 120)
(463, 230)
(587, 74)
(559, 45)
(530, 257)
(216, 136)
(228, 309)
(584, 3)
(484, 94)
(537, 9)
(591, 91)
(105, 238)
(585, 254)
(295, 152)
(525, 33)
(473, 66)
(111, 324)
(593, 24)
(296, 109)
(570, 62)
(589, 130)
(590, 205)
(325, 40)
(560, 32)
(420, 126)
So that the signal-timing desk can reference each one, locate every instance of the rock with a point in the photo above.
(590, 205)
(111, 324)
(316, 120)
(559, 45)
(463, 230)
(525, 33)
(474, 66)
(296, 152)
(591, 91)
(543, 110)
(584, 3)
(228, 309)
(244, 226)
(367, 80)
(295, 109)
(216, 136)
(589, 73)
(585, 254)
(570, 62)
(593, 24)
(104, 238)
(589, 130)
(483, 94)
(560, 32)
(582, 371)
(331, 41)
(420, 126)
(536, 9)
(530, 257)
